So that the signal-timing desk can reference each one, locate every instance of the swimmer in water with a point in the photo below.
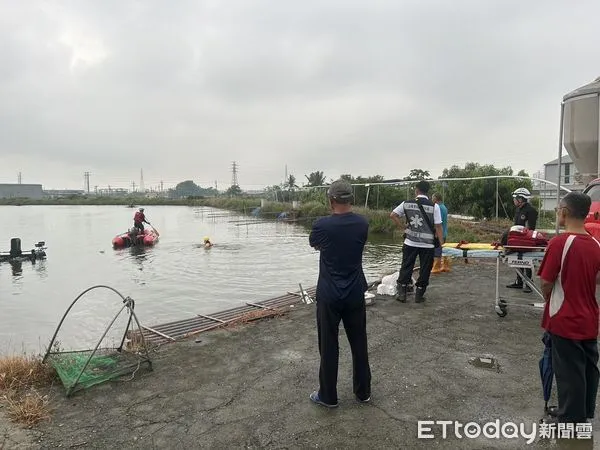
(207, 243)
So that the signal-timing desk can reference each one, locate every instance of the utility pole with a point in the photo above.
(19, 178)
(133, 186)
(161, 185)
(142, 180)
(234, 174)
(286, 177)
(497, 195)
(86, 177)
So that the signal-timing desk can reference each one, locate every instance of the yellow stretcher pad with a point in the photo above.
(471, 246)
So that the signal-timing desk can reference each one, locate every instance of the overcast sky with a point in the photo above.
(181, 89)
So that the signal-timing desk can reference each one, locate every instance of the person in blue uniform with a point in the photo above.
(340, 295)
(441, 264)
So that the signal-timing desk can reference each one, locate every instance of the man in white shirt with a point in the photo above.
(423, 232)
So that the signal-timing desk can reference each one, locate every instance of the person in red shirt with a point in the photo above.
(569, 275)
(139, 219)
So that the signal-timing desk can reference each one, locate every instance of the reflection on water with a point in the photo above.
(138, 255)
(17, 268)
(175, 279)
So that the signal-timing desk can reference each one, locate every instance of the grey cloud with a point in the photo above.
(356, 87)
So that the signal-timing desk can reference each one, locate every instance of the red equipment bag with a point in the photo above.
(519, 236)
(593, 229)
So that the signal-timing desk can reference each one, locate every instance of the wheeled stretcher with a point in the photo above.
(519, 258)
(515, 257)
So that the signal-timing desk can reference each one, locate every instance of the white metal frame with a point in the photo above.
(442, 180)
(561, 137)
(518, 259)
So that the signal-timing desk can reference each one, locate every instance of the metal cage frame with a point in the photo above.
(129, 304)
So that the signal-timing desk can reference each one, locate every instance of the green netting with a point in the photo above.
(104, 365)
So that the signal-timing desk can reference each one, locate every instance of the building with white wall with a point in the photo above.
(570, 179)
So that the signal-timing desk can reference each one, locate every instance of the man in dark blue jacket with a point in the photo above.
(340, 296)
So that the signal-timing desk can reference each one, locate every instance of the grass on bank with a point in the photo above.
(21, 378)
(379, 220)
(96, 201)
(306, 214)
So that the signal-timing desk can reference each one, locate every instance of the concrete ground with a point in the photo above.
(248, 387)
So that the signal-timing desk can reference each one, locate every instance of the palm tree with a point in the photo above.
(290, 185)
(315, 178)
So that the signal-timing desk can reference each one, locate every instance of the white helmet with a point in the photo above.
(522, 192)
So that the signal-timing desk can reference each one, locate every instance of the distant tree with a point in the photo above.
(418, 174)
(234, 191)
(190, 189)
(379, 195)
(211, 192)
(274, 192)
(290, 183)
(288, 188)
(315, 179)
(478, 197)
(186, 189)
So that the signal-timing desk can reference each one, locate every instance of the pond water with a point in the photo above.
(173, 280)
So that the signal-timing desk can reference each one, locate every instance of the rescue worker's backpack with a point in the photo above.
(519, 236)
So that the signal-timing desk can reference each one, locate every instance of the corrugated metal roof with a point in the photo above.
(565, 159)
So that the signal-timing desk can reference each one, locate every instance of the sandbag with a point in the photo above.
(387, 289)
(391, 279)
(388, 285)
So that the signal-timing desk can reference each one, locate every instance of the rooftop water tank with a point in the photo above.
(580, 136)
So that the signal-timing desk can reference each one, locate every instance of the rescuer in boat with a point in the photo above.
(139, 219)
(133, 235)
(525, 215)
(207, 243)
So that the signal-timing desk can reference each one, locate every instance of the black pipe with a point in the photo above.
(15, 247)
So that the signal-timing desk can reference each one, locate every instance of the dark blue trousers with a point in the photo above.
(354, 316)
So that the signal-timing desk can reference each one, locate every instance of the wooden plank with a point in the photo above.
(157, 332)
(211, 318)
(259, 306)
(189, 327)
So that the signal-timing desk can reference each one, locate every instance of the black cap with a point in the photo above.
(340, 189)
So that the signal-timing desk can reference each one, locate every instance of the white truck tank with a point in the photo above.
(581, 127)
